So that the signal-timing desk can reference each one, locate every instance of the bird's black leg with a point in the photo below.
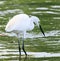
(19, 47)
(23, 48)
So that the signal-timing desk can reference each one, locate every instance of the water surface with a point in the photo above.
(38, 47)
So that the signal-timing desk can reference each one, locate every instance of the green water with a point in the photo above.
(48, 12)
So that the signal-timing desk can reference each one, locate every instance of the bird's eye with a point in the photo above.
(34, 23)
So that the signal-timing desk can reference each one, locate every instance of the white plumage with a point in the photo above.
(22, 23)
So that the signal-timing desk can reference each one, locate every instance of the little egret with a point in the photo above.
(20, 24)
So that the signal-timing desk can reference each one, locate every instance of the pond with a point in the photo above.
(38, 47)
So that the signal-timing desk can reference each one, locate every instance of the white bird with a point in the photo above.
(22, 23)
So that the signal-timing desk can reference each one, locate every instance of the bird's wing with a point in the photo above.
(10, 24)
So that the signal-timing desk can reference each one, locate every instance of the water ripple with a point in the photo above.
(33, 35)
(3, 13)
(32, 54)
(2, 2)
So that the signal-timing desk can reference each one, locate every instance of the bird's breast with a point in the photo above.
(24, 26)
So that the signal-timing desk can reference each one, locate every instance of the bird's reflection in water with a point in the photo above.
(22, 58)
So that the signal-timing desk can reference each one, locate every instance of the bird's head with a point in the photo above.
(36, 21)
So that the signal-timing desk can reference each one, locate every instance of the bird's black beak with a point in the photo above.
(41, 30)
